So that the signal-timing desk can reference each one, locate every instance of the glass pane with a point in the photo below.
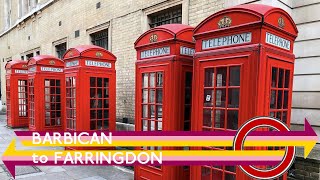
(68, 82)
(99, 92)
(93, 114)
(207, 118)
(99, 125)
(99, 114)
(188, 96)
(205, 173)
(106, 124)
(106, 103)
(230, 176)
(99, 81)
(52, 90)
(152, 112)
(47, 91)
(159, 79)
(208, 98)
(273, 99)
(287, 80)
(234, 79)
(278, 115)
(188, 82)
(47, 82)
(105, 114)
(284, 116)
(145, 111)
(160, 126)
(221, 76)
(159, 113)
(106, 82)
(57, 82)
(145, 125)
(47, 122)
(145, 80)
(92, 125)
(274, 77)
(285, 100)
(233, 98)
(219, 119)
(92, 82)
(159, 96)
(221, 98)
(152, 79)
(152, 96)
(272, 114)
(209, 78)
(231, 168)
(232, 120)
(281, 77)
(105, 93)
(145, 96)
(216, 174)
(279, 100)
(52, 82)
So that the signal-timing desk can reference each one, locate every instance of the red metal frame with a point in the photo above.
(163, 89)
(90, 89)
(17, 93)
(234, 82)
(46, 93)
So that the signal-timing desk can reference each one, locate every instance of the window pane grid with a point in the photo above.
(8, 99)
(220, 111)
(52, 89)
(31, 102)
(71, 102)
(99, 103)
(23, 98)
(152, 104)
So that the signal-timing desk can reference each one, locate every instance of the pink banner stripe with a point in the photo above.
(166, 158)
(183, 138)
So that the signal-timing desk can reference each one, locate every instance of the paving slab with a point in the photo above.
(51, 169)
(52, 176)
(94, 178)
(4, 176)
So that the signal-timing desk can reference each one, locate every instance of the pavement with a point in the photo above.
(56, 172)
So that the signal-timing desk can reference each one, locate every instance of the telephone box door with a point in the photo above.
(151, 99)
(220, 107)
(100, 97)
(280, 75)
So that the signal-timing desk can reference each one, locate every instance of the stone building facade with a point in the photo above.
(31, 27)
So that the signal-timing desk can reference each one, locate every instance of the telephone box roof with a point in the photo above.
(16, 64)
(90, 51)
(166, 32)
(249, 13)
(45, 60)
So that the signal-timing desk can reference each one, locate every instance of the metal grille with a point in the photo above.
(71, 102)
(99, 103)
(61, 49)
(31, 101)
(23, 98)
(100, 38)
(220, 111)
(171, 15)
(52, 89)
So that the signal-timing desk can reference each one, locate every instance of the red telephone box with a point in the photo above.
(46, 93)
(244, 65)
(17, 93)
(90, 89)
(163, 89)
